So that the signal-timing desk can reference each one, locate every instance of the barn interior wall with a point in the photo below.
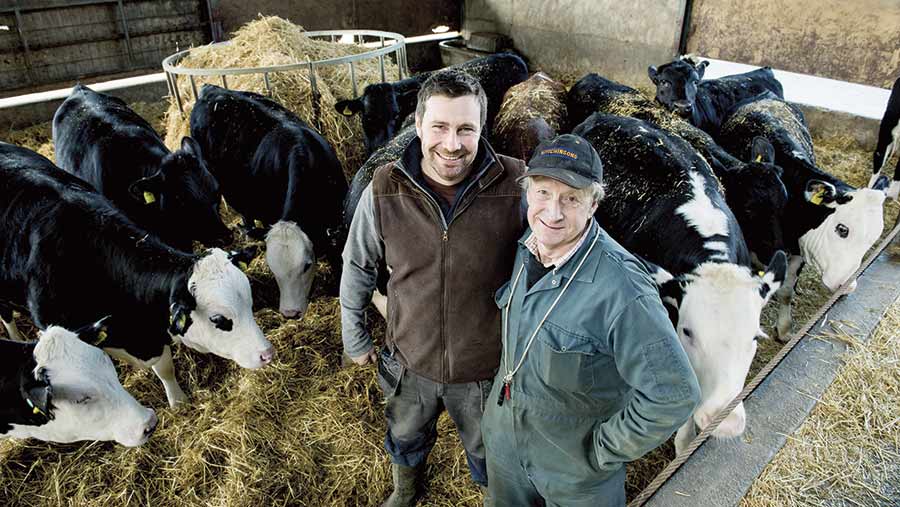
(856, 41)
(569, 38)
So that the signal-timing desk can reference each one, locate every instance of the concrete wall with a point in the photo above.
(569, 38)
(856, 41)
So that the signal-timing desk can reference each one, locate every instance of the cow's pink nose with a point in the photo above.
(267, 355)
(290, 314)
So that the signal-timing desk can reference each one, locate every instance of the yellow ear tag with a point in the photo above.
(243, 265)
(36, 411)
(817, 197)
(182, 320)
(762, 274)
(101, 337)
(149, 198)
(258, 224)
(347, 111)
(759, 158)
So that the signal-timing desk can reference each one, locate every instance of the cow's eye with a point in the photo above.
(221, 322)
(842, 230)
(665, 84)
(83, 400)
(307, 266)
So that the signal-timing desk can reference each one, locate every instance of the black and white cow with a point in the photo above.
(753, 189)
(256, 147)
(888, 144)
(61, 389)
(827, 222)
(384, 107)
(704, 103)
(69, 258)
(98, 138)
(663, 203)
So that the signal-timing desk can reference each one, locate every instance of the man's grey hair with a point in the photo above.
(451, 83)
(596, 192)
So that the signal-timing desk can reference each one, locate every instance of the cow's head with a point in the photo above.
(757, 197)
(74, 389)
(382, 110)
(212, 311)
(187, 197)
(290, 256)
(676, 84)
(718, 309)
(837, 246)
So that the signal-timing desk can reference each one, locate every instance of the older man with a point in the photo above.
(445, 218)
(592, 374)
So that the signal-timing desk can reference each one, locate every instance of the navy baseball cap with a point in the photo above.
(569, 159)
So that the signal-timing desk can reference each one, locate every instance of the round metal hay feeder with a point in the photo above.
(382, 44)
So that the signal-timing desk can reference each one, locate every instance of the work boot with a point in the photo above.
(406, 486)
(488, 499)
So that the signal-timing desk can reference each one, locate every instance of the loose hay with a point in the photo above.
(271, 41)
(848, 451)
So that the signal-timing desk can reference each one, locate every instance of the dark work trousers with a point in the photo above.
(413, 406)
(511, 486)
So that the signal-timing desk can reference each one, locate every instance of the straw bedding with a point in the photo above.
(302, 431)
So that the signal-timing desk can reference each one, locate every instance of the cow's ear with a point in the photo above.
(147, 190)
(651, 71)
(820, 193)
(773, 278)
(762, 151)
(96, 333)
(672, 292)
(241, 258)
(181, 304)
(37, 391)
(701, 68)
(348, 107)
(191, 146)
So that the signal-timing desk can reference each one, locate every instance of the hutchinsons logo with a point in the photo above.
(559, 152)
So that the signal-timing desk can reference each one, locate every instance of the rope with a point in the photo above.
(679, 460)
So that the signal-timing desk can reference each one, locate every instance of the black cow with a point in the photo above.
(70, 258)
(61, 389)
(171, 194)
(753, 189)
(385, 106)
(664, 204)
(888, 142)
(827, 222)
(256, 147)
(679, 88)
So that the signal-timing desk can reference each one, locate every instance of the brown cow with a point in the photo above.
(532, 111)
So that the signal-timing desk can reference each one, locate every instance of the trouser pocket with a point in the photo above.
(390, 372)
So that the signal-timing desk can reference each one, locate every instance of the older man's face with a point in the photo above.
(557, 213)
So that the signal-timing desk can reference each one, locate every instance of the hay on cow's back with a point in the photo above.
(271, 41)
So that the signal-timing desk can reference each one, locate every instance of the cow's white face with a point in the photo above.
(718, 322)
(88, 401)
(290, 256)
(223, 321)
(837, 246)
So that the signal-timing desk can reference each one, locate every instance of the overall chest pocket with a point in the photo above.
(567, 361)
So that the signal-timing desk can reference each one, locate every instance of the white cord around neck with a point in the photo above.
(507, 379)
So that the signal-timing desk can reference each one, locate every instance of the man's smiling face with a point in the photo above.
(449, 130)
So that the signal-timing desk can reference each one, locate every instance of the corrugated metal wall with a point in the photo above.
(57, 41)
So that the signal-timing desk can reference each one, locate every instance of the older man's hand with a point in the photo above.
(368, 357)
